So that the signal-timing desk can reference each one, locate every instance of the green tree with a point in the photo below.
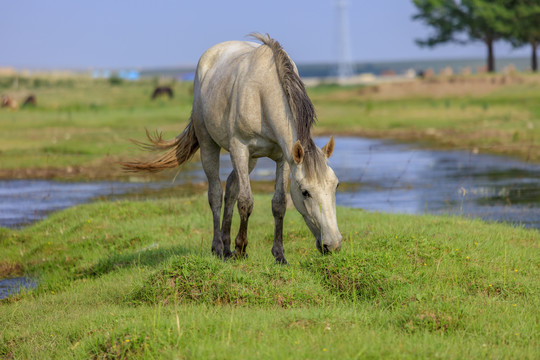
(466, 21)
(526, 27)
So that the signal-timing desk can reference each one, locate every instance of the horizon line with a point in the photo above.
(194, 66)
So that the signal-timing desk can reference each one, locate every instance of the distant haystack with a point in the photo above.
(509, 69)
(466, 71)
(388, 72)
(410, 74)
(428, 73)
(446, 71)
(7, 71)
(481, 69)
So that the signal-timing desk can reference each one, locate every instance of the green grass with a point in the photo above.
(86, 123)
(135, 279)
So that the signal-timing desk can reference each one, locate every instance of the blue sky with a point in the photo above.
(79, 34)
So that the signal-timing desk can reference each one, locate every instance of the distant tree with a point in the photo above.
(466, 21)
(115, 79)
(526, 27)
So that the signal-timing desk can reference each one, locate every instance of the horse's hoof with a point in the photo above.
(227, 254)
(217, 252)
(281, 261)
(239, 255)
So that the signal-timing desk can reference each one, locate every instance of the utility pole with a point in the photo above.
(345, 65)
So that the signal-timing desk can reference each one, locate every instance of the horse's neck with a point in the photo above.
(286, 142)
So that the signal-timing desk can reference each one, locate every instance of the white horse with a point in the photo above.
(250, 101)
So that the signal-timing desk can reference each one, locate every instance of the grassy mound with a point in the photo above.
(352, 276)
(136, 279)
(207, 280)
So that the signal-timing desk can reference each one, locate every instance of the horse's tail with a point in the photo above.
(178, 151)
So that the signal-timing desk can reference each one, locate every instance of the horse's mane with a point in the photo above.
(299, 102)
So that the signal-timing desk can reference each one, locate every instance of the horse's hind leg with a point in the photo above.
(231, 195)
(240, 158)
(279, 206)
(210, 162)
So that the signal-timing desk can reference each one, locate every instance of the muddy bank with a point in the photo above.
(104, 169)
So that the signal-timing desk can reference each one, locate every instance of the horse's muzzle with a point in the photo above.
(330, 248)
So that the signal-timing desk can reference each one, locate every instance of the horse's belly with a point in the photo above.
(263, 148)
(257, 145)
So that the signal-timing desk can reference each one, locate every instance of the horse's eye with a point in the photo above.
(306, 193)
(337, 186)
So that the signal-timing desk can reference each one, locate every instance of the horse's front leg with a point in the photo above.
(240, 158)
(279, 206)
(231, 195)
(210, 163)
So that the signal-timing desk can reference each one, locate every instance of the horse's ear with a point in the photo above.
(298, 152)
(328, 149)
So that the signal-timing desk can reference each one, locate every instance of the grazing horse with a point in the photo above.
(30, 101)
(250, 101)
(162, 90)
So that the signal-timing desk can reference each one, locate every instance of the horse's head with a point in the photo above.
(313, 190)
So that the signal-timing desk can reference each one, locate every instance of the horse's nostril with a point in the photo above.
(325, 249)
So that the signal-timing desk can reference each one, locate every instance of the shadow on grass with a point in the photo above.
(150, 256)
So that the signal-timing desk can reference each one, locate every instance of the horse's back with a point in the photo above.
(230, 91)
(221, 55)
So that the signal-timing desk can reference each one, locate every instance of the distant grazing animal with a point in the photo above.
(30, 101)
(162, 90)
(8, 102)
(249, 100)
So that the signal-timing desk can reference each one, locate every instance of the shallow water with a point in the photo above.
(403, 179)
(26, 201)
(379, 176)
(14, 285)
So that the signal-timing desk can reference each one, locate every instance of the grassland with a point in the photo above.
(136, 279)
(81, 126)
(491, 114)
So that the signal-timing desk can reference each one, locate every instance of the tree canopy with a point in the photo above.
(467, 21)
(526, 27)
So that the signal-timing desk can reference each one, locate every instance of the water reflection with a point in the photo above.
(381, 176)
